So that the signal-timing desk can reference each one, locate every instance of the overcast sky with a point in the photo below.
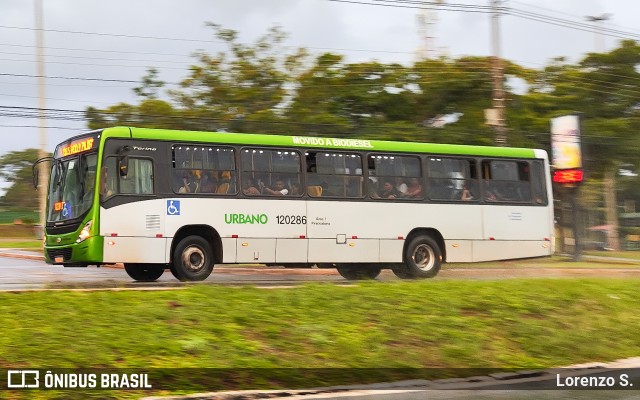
(362, 32)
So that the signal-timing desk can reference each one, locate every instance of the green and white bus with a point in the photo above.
(182, 200)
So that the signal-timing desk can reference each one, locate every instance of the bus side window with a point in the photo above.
(452, 179)
(271, 172)
(334, 174)
(538, 183)
(506, 181)
(109, 178)
(203, 170)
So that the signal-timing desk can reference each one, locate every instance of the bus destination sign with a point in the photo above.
(78, 146)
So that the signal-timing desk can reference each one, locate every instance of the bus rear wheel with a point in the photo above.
(422, 259)
(358, 272)
(192, 259)
(144, 272)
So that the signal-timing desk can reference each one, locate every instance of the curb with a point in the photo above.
(416, 388)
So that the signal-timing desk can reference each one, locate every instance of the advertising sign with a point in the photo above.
(566, 149)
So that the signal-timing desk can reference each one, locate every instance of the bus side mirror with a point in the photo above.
(123, 166)
(36, 177)
(35, 170)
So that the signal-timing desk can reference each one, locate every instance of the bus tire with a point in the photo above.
(144, 272)
(401, 272)
(358, 272)
(422, 259)
(192, 259)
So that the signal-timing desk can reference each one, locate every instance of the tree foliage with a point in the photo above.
(264, 87)
(15, 168)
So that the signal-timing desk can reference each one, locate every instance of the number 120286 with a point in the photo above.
(291, 219)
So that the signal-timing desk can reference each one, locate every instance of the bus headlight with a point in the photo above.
(85, 232)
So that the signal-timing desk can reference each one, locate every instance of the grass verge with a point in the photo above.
(532, 323)
(631, 254)
(555, 261)
(21, 244)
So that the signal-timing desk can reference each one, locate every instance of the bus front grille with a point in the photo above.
(56, 253)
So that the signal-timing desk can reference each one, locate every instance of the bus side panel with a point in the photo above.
(139, 219)
(133, 232)
(459, 250)
(490, 250)
(344, 231)
(229, 250)
(252, 250)
(515, 222)
(135, 250)
(391, 250)
(291, 250)
(351, 251)
(390, 223)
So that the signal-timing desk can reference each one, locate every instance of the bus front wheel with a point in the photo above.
(192, 259)
(144, 272)
(357, 272)
(422, 259)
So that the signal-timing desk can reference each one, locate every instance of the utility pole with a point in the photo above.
(43, 169)
(598, 21)
(498, 77)
(426, 21)
(610, 195)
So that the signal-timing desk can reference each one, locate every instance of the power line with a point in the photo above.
(70, 78)
(421, 5)
(416, 4)
(78, 115)
(120, 35)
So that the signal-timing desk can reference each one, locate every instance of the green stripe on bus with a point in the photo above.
(321, 142)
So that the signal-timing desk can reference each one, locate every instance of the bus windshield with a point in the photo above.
(72, 187)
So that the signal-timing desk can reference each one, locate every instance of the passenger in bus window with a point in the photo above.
(491, 193)
(401, 186)
(277, 190)
(466, 194)
(225, 176)
(249, 188)
(389, 191)
(186, 182)
(414, 189)
(206, 184)
(295, 189)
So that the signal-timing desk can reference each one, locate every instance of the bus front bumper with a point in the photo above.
(84, 253)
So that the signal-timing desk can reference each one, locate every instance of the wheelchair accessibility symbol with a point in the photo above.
(173, 207)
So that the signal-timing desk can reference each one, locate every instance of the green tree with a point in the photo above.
(245, 85)
(15, 168)
(150, 85)
(244, 88)
(605, 88)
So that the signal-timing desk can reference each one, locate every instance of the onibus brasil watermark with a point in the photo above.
(33, 379)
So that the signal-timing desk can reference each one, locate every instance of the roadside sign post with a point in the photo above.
(566, 150)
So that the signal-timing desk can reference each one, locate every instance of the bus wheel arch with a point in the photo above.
(195, 249)
(434, 233)
(423, 254)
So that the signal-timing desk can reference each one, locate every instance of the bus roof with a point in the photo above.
(315, 142)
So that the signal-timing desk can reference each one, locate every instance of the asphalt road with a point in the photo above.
(23, 274)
